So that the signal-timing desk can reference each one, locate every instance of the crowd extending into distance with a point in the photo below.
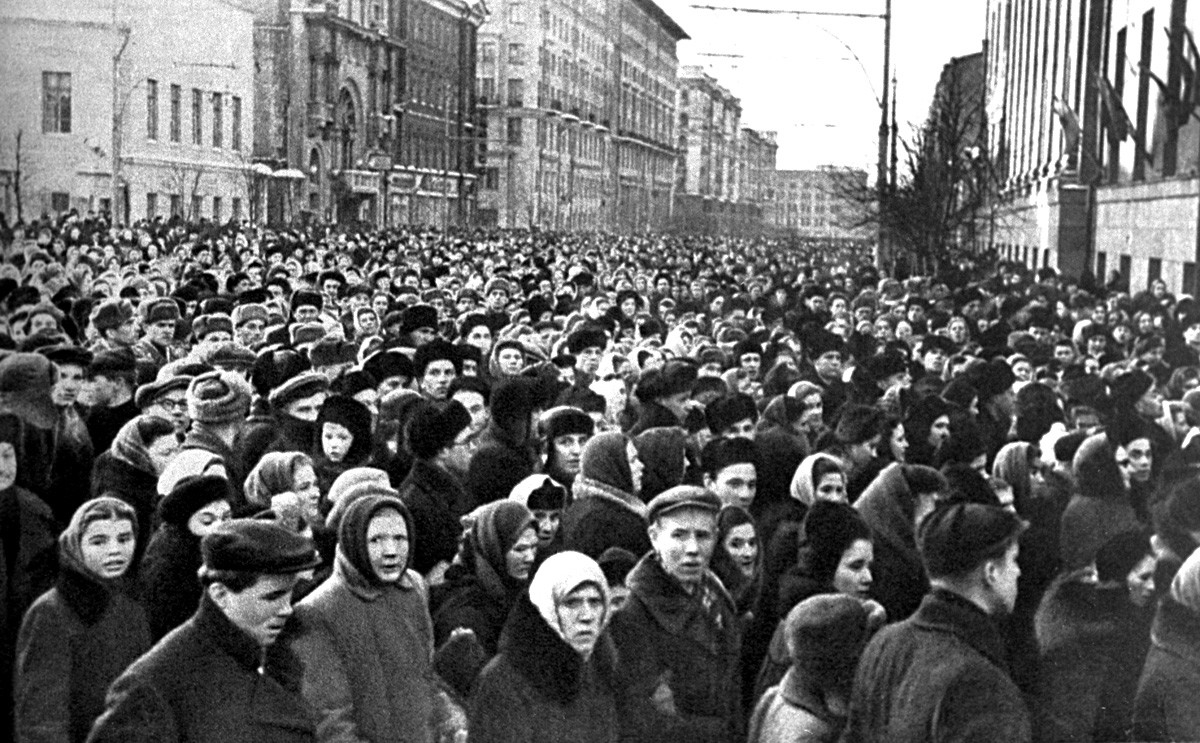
(511, 487)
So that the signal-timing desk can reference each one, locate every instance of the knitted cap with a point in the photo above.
(218, 397)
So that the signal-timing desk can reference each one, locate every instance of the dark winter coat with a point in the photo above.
(75, 640)
(539, 690)
(28, 568)
(432, 494)
(266, 433)
(792, 713)
(478, 600)
(208, 682)
(936, 677)
(600, 517)
(73, 454)
(103, 423)
(1165, 708)
(167, 580)
(1092, 646)
(666, 638)
(502, 460)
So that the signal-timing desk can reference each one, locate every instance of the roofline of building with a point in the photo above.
(663, 19)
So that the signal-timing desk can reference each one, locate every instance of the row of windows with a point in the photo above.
(175, 207)
(216, 104)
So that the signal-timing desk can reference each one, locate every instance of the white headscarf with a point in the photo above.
(558, 576)
(1185, 587)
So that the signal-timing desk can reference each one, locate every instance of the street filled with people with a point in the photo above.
(329, 484)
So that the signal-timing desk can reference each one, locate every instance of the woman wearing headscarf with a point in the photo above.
(167, 577)
(892, 506)
(663, 452)
(493, 566)
(286, 482)
(606, 510)
(130, 469)
(81, 634)
(553, 680)
(365, 634)
(1165, 708)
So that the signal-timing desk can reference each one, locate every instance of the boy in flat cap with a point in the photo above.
(222, 677)
(678, 630)
(942, 674)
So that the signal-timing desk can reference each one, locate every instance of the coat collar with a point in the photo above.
(947, 612)
(275, 660)
(797, 692)
(681, 613)
(586, 487)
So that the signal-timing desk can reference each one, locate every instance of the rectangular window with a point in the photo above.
(216, 213)
(1189, 279)
(151, 109)
(487, 90)
(176, 113)
(237, 209)
(218, 102)
(1126, 266)
(516, 54)
(514, 131)
(516, 92)
(491, 179)
(1101, 267)
(1143, 100)
(151, 205)
(197, 117)
(60, 202)
(516, 13)
(176, 205)
(235, 136)
(1153, 271)
(56, 102)
(197, 208)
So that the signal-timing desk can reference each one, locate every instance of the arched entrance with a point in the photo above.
(355, 191)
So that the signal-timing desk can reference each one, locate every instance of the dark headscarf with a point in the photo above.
(352, 534)
(605, 460)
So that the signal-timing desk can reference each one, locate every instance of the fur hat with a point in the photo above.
(729, 409)
(435, 350)
(205, 324)
(190, 495)
(565, 420)
(434, 426)
(111, 313)
(26, 380)
(302, 333)
(244, 313)
(218, 397)
(584, 337)
(158, 310)
(303, 297)
(418, 316)
(858, 424)
(1129, 386)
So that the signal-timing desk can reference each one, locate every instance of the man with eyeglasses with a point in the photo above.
(166, 397)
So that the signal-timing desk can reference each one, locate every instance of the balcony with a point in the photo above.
(358, 181)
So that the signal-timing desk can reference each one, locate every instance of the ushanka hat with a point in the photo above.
(218, 397)
(305, 384)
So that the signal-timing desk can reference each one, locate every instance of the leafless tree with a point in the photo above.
(184, 179)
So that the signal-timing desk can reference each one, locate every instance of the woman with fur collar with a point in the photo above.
(552, 681)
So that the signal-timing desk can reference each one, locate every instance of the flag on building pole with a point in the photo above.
(1068, 121)
(1119, 125)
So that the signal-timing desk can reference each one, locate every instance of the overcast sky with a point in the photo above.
(816, 79)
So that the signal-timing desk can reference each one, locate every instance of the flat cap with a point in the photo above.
(682, 496)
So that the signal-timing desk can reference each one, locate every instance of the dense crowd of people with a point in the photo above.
(295, 485)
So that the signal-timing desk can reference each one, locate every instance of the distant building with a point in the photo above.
(706, 187)
(367, 109)
(163, 129)
(1097, 166)
(810, 204)
(580, 103)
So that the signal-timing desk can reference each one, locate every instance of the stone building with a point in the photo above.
(579, 98)
(1097, 162)
(809, 205)
(367, 110)
(126, 106)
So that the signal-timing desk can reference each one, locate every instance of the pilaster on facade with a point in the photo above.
(1093, 153)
